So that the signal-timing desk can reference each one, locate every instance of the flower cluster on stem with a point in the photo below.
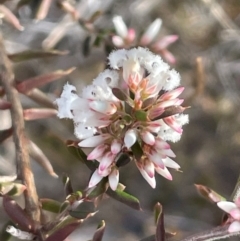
(131, 109)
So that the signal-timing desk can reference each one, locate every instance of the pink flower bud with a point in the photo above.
(116, 146)
(94, 141)
(97, 152)
(113, 179)
(148, 137)
(106, 161)
(95, 179)
(120, 27)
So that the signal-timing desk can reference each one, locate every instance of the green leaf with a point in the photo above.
(160, 230)
(67, 185)
(83, 211)
(123, 160)
(141, 115)
(125, 198)
(16, 190)
(99, 232)
(137, 150)
(50, 205)
(99, 189)
(33, 54)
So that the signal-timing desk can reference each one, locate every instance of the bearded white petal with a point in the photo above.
(108, 78)
(227, 206)
(182, 119)
(113, 179)
(82, 131)
(172, 81)
(116, 58)
(65, 101)
(94, 140)
(120, 26)
(130, 138)
(168, 162)
(95, 179)
(234, 227)
(151, 32)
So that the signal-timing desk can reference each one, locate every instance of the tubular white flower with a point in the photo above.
(151, 32)
(94, 141)
(65, 101)
(130, 138)
(120, 26)
(113, 179)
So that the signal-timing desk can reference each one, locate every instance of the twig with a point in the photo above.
(22, 156)
(217, 233)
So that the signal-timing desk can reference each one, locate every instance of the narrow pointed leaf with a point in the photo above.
(160, 230)
(67, 185)
(4, 134)
(137, 151)
(125, 198)
(50, 205)
(17, 215)
(171, 110)
(37, 154)
(99, 189)
(83, 211)
(99, 232)
(41, 98)
(33, 54)
(123, 160)
(63, 229)
(209, 194)
(119, 94)
(35, 82)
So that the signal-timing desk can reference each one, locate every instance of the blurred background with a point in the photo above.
(209, 151)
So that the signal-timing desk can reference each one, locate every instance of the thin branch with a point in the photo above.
(22, 156)
(217, 233)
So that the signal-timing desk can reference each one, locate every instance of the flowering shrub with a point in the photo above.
(132, 109)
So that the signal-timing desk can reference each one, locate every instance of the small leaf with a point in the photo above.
(50, 205)
(4, 134)
(33, 54)
(16, 190)
(125, 198)
(160, 230)
(209, 194)
(67, 185)
(99, 232)
(99, 189)
(119, 94)
(171, 110)
(83, 211)
(123, 160)
(63, 229)
(17, 214)
(35, 82)
(141, 115)
(137, 150)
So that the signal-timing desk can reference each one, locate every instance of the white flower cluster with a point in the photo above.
(132, 104)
